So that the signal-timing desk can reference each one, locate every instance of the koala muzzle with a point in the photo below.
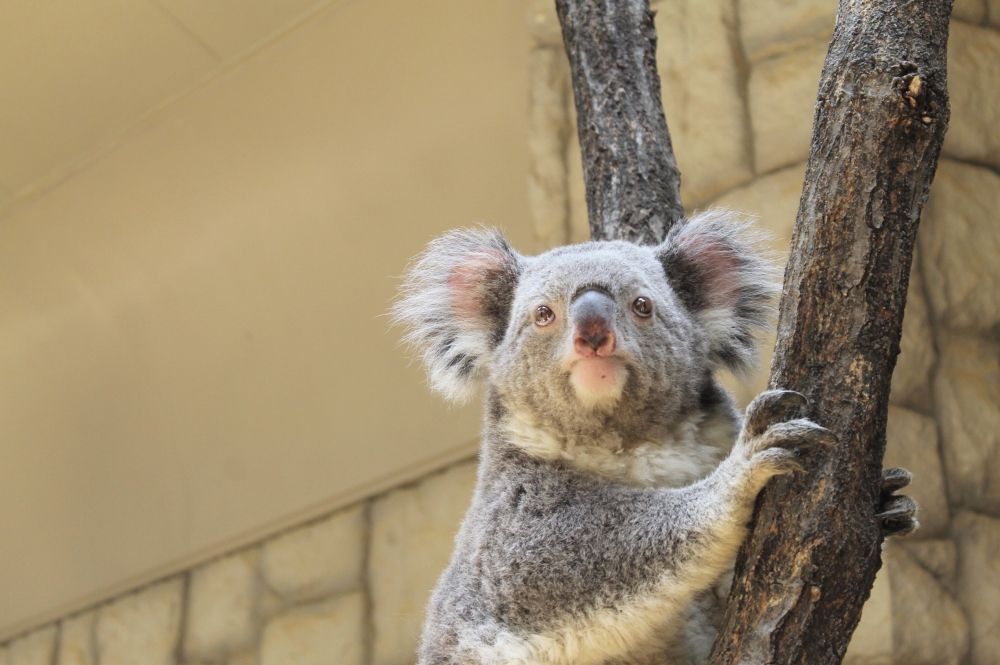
(593, 317)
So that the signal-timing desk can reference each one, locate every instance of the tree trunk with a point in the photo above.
(881, 116)
(880, 121)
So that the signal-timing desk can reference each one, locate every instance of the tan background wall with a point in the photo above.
(191, 348)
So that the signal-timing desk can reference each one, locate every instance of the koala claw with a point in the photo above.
(770, 407)
(894, 479)
(898, 516)
(799, 434)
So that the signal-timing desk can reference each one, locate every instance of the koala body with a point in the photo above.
(616, 476)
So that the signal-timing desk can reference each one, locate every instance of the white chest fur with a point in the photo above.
(694, 449)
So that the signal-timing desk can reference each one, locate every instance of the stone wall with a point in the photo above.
(739, 83)
(348, 589)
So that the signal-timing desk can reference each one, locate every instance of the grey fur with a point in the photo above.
(599, 530)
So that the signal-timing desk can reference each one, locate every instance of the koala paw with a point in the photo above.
(771, 442)
(897, 514)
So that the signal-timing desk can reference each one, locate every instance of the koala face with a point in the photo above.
(592, 335)
(596, 331)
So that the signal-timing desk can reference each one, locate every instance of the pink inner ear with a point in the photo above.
(468, 280)
(717, 262)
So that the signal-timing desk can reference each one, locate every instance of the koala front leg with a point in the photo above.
(769, 445)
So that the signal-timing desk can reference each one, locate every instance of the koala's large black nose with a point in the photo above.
(593, 316)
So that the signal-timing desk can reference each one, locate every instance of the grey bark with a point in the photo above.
(880, 120)
(633, 185)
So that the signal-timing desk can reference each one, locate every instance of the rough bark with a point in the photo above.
(880, 120)
(881, 116)
(633, 185)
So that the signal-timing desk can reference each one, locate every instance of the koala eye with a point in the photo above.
(643, 306)
(544, 316)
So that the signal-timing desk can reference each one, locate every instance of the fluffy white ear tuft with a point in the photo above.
(718, 269)
(455, 304)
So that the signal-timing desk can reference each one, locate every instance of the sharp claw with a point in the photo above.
(826, 438)
(895, 479)
(792, 398)
(896, 507)
(770, 407)
(896, 528)
(895, 512)
(801, 434)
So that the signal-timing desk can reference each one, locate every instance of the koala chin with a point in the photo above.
(598, 382)
(616, 476)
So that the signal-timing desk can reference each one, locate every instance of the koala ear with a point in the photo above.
(455, 303)
(716, 267)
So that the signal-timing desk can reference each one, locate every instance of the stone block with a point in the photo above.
(76, 640)
(871, 643)
(4, 654)
(319, 634)
(271, 604)
(773, 201)
(771, 27)
(912, 443)
(141, 627)
(244, 658)
(318, 559)
(909, 617)
(978, 540)
(911, 380)
(548, 134)
(700, 80)
(959, 244)
(971, 11)
(35, 648)
(413, 534)
(973, 70)
(967, 407)
(992, 12)
(782, 95)
(221, 606)
(937, 556)
(928, 625)
(543, 23)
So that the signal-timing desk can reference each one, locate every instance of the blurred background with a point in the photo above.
(213, 448)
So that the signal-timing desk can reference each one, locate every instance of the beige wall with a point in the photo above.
(191, 352)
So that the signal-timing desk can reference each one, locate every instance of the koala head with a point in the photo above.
(601, 333)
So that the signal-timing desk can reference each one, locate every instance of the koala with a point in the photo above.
(616, 475)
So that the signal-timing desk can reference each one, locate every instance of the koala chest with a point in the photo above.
(689, 455)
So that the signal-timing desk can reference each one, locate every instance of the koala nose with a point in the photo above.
(593, 316)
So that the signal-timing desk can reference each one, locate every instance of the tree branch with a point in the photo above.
(811, 558)
(633, 185)
(882, 111)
